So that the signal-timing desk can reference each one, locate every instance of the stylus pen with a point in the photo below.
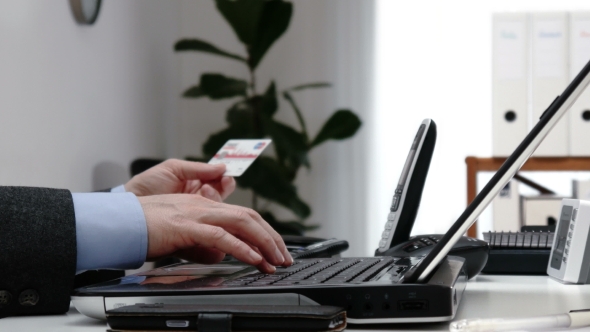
(573, 319)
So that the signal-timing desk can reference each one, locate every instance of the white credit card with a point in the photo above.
(239, 154)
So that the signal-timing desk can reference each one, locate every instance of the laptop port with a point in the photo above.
(413, 305)
(386, 306)
(368, 306)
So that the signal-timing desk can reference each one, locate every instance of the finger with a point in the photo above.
(224, 186)
(208, 192)
(264, 266)
(220, 239)
(192, 186)
(190, 170)
(228, 185)
(242, 223)
(288, 259)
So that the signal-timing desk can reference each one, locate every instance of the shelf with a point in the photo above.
(475, 165)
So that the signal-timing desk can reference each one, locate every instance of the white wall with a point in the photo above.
(78, 103)
(433, 59)
(328, 40)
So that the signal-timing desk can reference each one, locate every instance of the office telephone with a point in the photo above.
(395, 239)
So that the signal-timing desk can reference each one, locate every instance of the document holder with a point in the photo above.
(226, 318)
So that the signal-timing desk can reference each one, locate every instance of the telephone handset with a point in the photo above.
(395, 239)
(408, 192)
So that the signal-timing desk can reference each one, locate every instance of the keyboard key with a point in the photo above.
(328, 271)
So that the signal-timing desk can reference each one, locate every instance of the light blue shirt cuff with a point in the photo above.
(119, 189)
(111, 231)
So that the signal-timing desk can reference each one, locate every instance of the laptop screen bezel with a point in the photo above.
(513, 163)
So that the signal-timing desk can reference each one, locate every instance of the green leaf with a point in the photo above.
(291, 146)
(217, 86)
(343, 124)
(203, 46)
(193, 92)
(310, 86)
(263, 107)
(241, 114)
(274, 21)
(257, 23)
(243, 16)
(293, 104)
(269, 103)
(269, 180)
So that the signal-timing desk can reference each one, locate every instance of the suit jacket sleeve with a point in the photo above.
(37, 250)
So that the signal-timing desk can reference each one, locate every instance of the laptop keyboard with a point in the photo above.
(323, 271)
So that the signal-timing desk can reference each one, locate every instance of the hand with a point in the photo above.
(201, 230)
(175, 176)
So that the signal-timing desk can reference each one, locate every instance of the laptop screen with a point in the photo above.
(514, 162)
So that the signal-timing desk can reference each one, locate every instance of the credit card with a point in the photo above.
(239, 154)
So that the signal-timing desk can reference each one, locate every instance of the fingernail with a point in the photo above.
(255, 256)
(279, 256)
(288, 258)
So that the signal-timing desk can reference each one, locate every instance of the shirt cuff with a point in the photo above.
(111, 231)
(119, 189)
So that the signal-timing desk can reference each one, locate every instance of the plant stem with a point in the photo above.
(255, 107)
(291, 101)
(252, 81)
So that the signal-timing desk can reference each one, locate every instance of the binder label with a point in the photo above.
(580, 44)
(549, 57)
(511, 50)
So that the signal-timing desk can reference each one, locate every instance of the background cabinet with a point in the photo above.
(476, 164)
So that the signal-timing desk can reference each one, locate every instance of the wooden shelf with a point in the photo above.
(475, 165)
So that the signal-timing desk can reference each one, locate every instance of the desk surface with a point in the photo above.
(485, 297)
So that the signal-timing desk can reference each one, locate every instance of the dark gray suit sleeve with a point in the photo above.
(37, 250)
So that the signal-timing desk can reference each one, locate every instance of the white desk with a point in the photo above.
(485, 297)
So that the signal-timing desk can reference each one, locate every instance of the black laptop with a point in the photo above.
(372, 289)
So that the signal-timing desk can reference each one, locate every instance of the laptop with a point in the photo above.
(372, 289)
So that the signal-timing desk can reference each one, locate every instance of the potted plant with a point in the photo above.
(258, 24)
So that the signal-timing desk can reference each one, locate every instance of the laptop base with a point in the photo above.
(381, 300)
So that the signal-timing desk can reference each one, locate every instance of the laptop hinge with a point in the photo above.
(214, 322)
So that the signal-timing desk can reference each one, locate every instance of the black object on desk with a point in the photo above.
(226, 318)
(525, 252)
(473, 250)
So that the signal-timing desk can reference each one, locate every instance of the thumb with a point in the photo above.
(188, 170)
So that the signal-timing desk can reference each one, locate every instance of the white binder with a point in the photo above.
(506, 209)
(550, 75)
(581, 189)
(579, 114)
(509, 82)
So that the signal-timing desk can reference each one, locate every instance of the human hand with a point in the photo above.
(201, 230)
(175, 176)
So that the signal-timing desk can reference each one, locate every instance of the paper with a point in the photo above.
(239, 154)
